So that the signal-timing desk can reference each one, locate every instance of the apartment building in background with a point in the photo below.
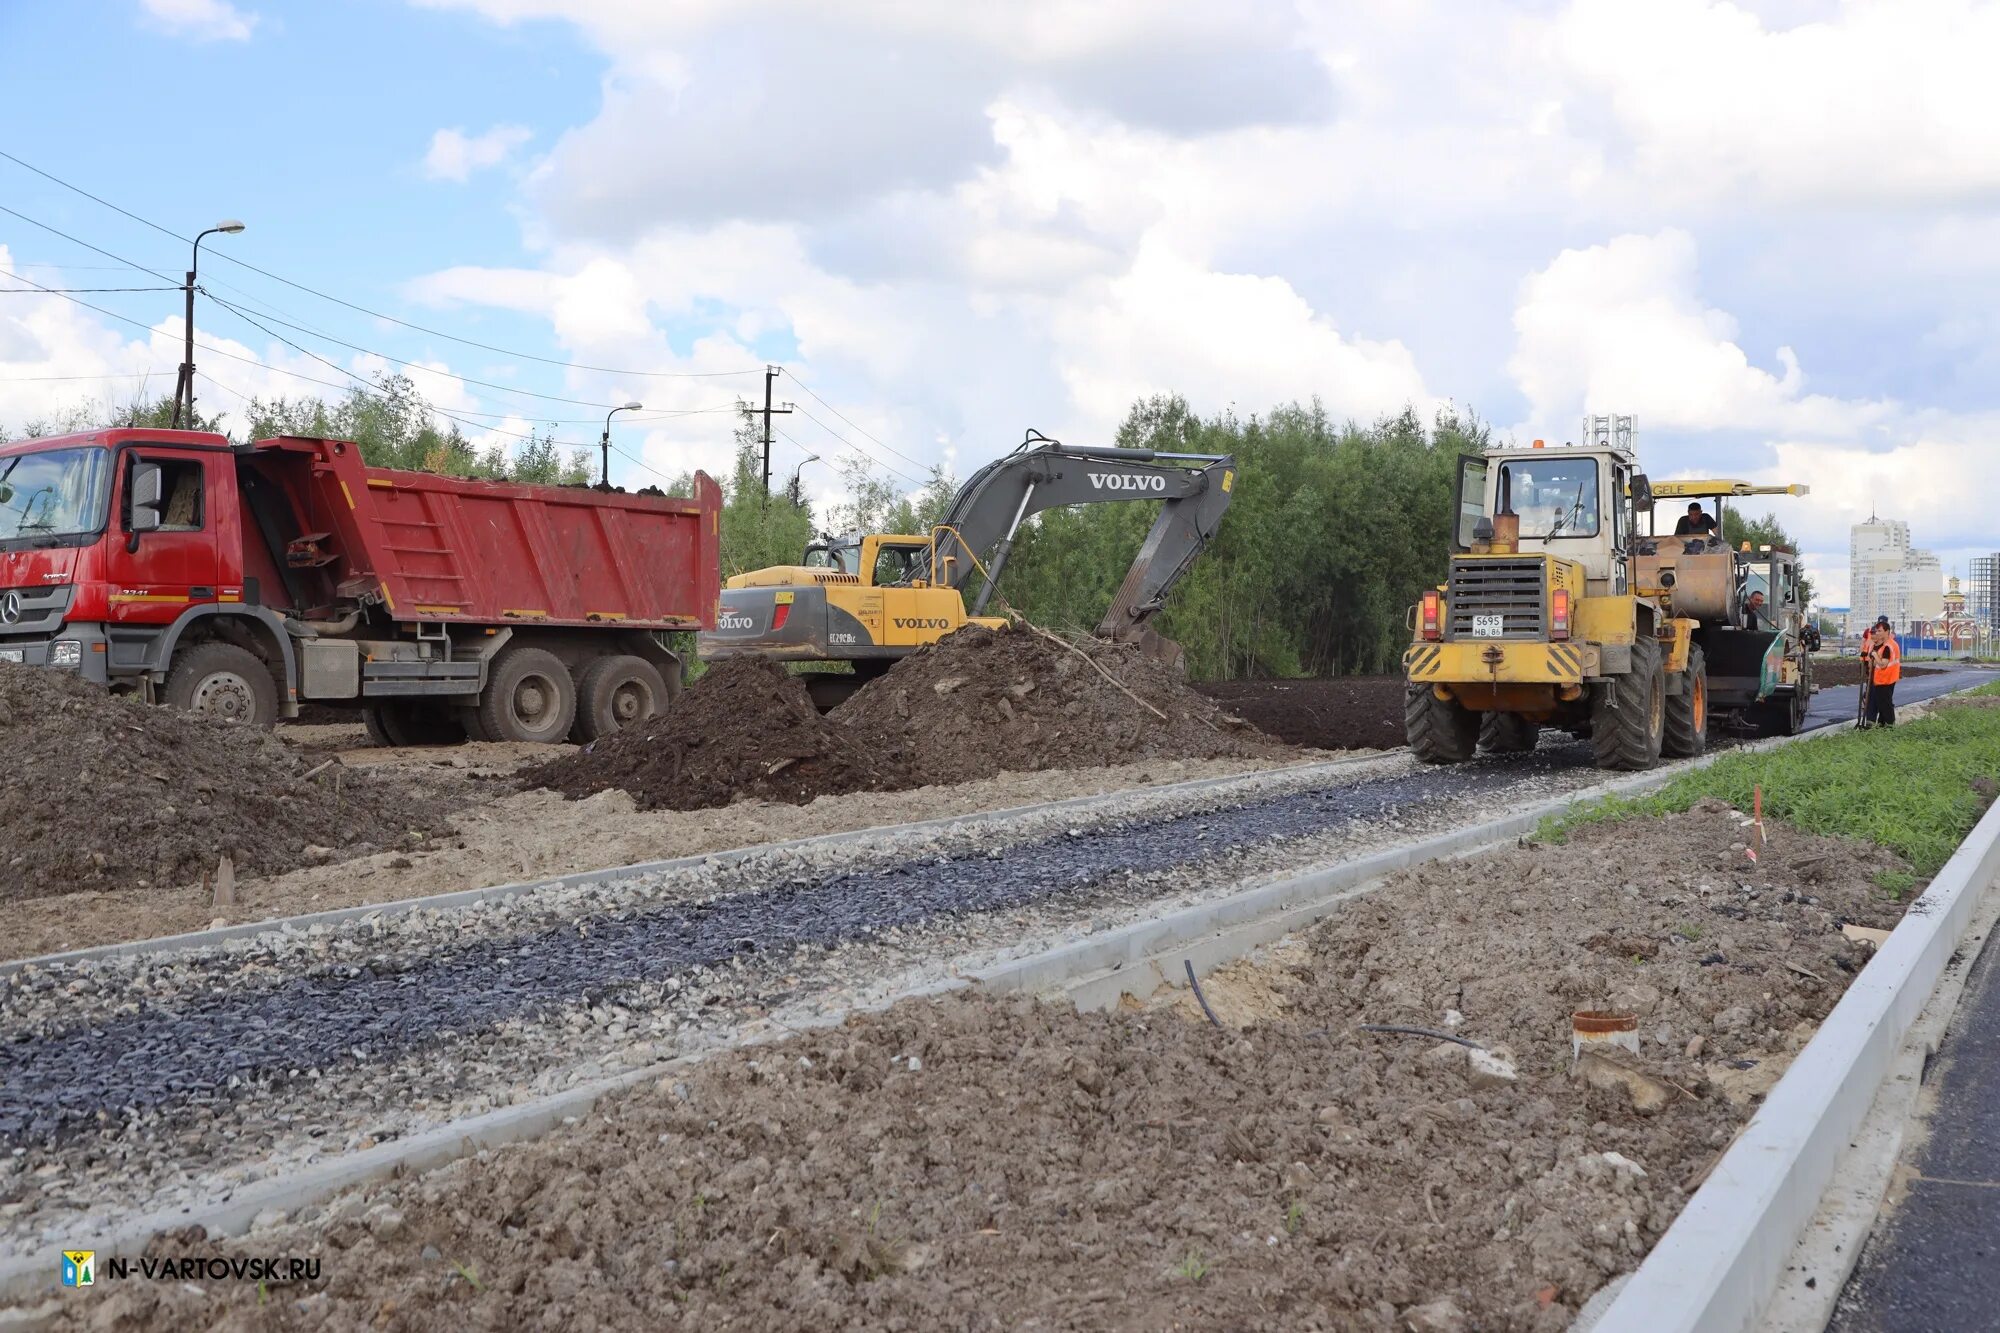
(1888, 577)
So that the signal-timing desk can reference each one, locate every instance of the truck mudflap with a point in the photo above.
(1490, 662)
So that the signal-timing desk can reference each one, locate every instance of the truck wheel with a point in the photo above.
(529, 697)
(1686, 732)
(1628, 716)
(614, 693)
(222, 681)
(1507, 733)
(1440, 731)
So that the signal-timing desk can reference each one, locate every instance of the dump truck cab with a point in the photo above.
(1540, 622)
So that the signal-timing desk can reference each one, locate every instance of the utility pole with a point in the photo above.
(771, 373)
(184, 386)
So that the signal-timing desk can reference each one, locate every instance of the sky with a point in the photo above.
(1770, 231)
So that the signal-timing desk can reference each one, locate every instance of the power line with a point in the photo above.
(47, 379)
(369, 351)
(879, 462)
(637, 462)
(61, 291)
(851, 421)
(361, 309)
(57, 231)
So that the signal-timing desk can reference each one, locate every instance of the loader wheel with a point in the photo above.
(403, 722)
(222, 681)
(1687, 712)
(529, 697)
(1440, 731)
(614, 693)
(1628, 716)
(1507, 733)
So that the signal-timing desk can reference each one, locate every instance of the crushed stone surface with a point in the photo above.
(106, 793)
(978, 1163)
(518, 837)
(234, 1132)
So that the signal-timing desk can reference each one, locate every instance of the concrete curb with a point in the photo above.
(1721, 1260)
(457, 898)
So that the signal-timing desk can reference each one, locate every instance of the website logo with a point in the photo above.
(79, 1268)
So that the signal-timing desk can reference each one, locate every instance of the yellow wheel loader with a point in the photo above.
(1559, 611)
(871, 599)
(1540, 623)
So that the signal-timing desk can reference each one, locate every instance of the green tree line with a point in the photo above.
(1335, 529)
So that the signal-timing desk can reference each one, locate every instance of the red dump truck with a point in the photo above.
(242, 581)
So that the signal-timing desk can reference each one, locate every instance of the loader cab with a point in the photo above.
(1575, 504)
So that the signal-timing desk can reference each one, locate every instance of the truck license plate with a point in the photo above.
(1488, 627)
(10, 654)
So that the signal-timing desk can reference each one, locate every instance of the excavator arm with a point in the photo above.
(977, 534)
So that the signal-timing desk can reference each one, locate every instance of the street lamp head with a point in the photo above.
(229, 225)
(631, 407)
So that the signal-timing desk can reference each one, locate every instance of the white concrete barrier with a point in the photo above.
(1719, 1263)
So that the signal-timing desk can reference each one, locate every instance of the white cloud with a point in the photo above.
(1620, 327)
(454, 155)
(202, 20)
(1874, 104)
(1169, 325)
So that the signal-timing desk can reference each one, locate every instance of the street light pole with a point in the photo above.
(809, 458)
(606, 442)
(184, 390)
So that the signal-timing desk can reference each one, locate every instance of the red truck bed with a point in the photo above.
(488, 552)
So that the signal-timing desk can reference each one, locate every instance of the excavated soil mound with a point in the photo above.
(1847, 671)
(982, 699)
(108, 793)
(746, 728)
(1344, 713)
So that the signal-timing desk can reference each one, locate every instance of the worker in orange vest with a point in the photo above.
(1883, 661)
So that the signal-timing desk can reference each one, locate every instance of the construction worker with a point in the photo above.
(1753, 612)
(1882, 663)
(1695, 523)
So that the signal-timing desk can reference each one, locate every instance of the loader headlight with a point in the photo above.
(66, 653)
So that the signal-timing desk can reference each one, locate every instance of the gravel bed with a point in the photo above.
(209, 1069)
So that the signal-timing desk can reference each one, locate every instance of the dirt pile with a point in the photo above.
(745, 729)
(1847, 671)
(1342, 713)
(108, 793)
(999, 1163)
(980, 700)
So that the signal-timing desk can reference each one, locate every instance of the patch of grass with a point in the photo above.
(1295, 1217)
(1194, 1267)
(1907, 788)
(1895, 883)
(470, 1274)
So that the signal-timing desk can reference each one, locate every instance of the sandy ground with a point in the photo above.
(507, 837)
(985, 1164)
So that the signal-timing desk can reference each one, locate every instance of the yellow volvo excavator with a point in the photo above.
(869, 599)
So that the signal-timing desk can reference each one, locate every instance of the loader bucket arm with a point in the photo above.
(977, 534)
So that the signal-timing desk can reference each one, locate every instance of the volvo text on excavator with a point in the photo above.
(869, 599)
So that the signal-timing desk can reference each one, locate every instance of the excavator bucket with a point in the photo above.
(1160, 646)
